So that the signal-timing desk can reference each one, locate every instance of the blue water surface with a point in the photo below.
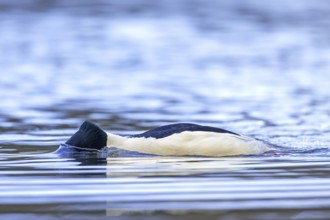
(258, 68)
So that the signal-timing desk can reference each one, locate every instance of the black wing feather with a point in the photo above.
(168, 130)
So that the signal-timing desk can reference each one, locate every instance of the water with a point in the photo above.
(256, 68)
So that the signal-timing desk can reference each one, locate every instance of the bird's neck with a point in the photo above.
(115, 140)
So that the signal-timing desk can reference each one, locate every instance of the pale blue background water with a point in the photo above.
(260, 68)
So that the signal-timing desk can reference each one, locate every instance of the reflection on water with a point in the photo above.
(163, 186)
(257, 68)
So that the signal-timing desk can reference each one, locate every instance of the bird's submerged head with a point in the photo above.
(88, 139)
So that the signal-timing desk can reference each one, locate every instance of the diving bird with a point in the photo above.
(181, 139)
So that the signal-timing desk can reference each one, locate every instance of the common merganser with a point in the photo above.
(182, 139)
